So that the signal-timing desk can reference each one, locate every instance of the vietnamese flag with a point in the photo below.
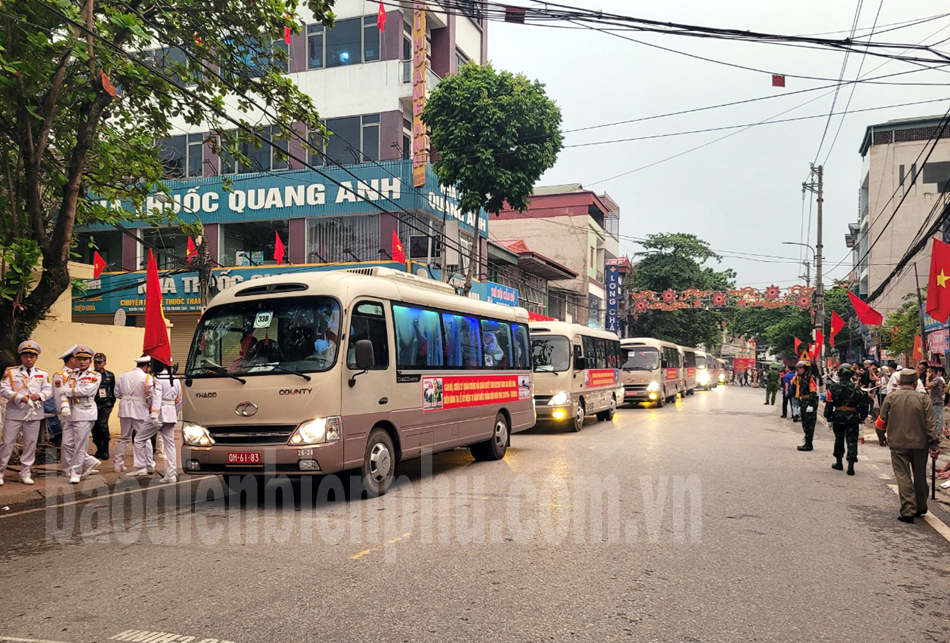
(98, 264)
(918, 348)
(156, 343)
(867, 315)
(192, 251)
(819, 340)
(399, 253)
(381, 18)
(278, 249)
(938, 293)
(798, 343)
(836, 325)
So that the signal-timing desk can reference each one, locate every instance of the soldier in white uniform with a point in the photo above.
(81, 390)
(25, 388)
(62, 404)
(134, 389)
(168, 390)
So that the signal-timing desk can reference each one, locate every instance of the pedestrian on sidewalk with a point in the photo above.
(135, 390)
(105, 400)
(937, 389)
(893, 383)
(846, 407)
(805, 387)
(25, 388)
(82, 387)
(907, 417)
(787, 375)
(771, 386)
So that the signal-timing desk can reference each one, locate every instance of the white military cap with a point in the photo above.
(69, 352)
(29, 346)
(144, 359)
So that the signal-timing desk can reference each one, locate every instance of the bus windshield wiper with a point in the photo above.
(223, 371)
(284, 369)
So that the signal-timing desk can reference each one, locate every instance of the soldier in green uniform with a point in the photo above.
(846, 406)
(804, 388)
(771, 386)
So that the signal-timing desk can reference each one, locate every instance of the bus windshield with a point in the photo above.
(551, 353)
(700, 361)
(264, 336)
(641, 359)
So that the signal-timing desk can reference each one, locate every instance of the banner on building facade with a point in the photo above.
(611, 318)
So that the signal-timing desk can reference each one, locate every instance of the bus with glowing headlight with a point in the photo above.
(706, 370)
(576, 373)
(314, 373)
(652, 371)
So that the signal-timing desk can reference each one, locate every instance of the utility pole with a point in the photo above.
(816, 184)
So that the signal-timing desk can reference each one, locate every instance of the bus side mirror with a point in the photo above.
(580, 362)
(365, 357)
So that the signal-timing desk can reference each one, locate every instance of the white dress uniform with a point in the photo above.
(81, 389)
(135, 391)
(59, 380)
(168, 390)
(18, 386)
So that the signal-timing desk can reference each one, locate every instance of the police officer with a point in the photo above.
(805, 389)
(846, 406)
(135, 392)
(25, 388)
(771, 386)
(105, 400)
(81, 390)
(168, 390)
(62, 404)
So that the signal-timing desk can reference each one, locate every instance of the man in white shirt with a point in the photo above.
(135, 391)
(895, 382)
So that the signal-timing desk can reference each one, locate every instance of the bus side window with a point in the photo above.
(463, 345)
(601, 345)
(496, 341)
(522, 350)
(590, 351)
(369, 322)
(418, 337)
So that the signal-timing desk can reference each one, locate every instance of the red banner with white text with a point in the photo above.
(455, 392)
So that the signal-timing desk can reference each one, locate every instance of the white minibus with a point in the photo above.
(651, 371)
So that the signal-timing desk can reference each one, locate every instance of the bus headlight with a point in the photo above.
(653, 386)
(195, 435)
(318, 430)
(722, 377)
(703, 378)
(559, 398)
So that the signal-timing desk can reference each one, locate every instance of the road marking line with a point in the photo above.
(863, 457)
(592, 447)
(15, 640)
(873, 466)
(367, 552)
(883, 476)
(79, 502)
(930, 519)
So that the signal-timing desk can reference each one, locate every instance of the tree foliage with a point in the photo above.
(676, 261)
(902, 326)
(495, 133)
(81, 104)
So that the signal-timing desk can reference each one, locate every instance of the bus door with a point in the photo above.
(370, 398)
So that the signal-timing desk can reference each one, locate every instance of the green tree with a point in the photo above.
(902, 326)
(495, 133)
(772, 328)
(81, 104)
(676, 261)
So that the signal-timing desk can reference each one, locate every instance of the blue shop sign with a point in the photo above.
(292, 194)
(931, 324)
(611, 318)
(481, 290)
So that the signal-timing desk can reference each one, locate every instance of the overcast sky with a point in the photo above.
(743, 193)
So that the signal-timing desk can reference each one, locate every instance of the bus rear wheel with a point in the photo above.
(495, 447)
(608, 415)
(379, 464)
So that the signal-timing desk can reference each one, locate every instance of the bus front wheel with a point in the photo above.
(495, 447)
(379, 463)
(579, 414)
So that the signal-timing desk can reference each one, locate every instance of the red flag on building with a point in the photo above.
(798, 343)
(381, 18)
(778, 80)
(192, 250)
(819, 340)
(918, 348)
(278, 249)
(836, 325)
(398, 253)
(156, 343)
(98, 264)
(938, 293)
(867, 315)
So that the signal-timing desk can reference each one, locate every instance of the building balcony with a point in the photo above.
(405, 80)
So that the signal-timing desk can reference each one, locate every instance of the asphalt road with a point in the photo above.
(696, 522)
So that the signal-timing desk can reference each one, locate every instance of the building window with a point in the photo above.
(353, 139)
(262, 156)
(343, 239)
(252, 244)
(471, 8)
(172, 62)
(251, 59)
(460, 60)
(169, 245)
(349, 42)
(181, 156)
(107, 243)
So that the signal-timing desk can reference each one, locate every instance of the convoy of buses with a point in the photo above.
(317, 373)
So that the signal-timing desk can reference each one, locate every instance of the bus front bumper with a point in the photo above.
(245, 459)
(556, 413)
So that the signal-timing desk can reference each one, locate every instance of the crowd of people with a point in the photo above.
(78, 402)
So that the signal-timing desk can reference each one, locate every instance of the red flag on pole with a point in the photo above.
(819, 340)
(399, 253)
(918, 348)
(98, 264)
(865, 313)
(798, 343)
(156, 343)
(381, 18)
(278, 249)
(938, 293)
(192, 250)
(836, 325)
(811, 351)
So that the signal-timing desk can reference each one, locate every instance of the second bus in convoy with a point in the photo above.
(652, 371)
(576, 372)
(314, 373)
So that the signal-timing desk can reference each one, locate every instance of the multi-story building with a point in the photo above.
(362, 80)
(894, 154)
(570, 225)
